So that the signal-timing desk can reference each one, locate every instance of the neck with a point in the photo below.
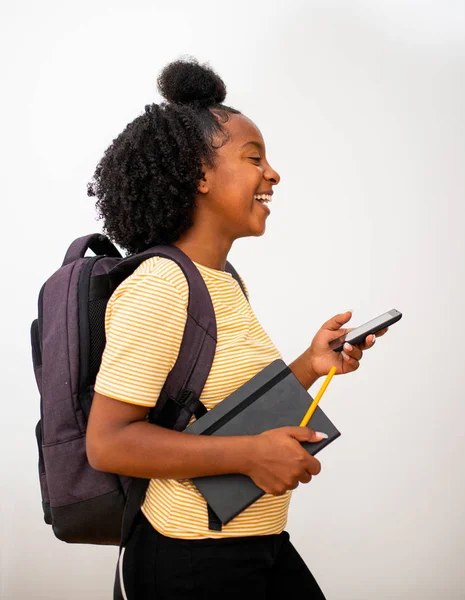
(209, 250)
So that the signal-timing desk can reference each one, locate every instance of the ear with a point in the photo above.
(203, 186)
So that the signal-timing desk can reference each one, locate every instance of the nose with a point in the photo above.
(272, 176)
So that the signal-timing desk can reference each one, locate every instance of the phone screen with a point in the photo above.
(360, 333)
(366, 327)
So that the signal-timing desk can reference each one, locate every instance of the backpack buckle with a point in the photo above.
(188, 399)
(185, 397)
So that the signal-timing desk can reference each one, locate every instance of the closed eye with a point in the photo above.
(255, 157)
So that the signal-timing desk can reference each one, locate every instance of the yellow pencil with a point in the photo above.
(314, 404)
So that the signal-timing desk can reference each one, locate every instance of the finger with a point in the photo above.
(382, 332)
(305, 434)
(369, 342)
(336, 322)
(353, 351)
(351, 363)
(341, 334)
(305, 477)
(313, 465)
(371, 339)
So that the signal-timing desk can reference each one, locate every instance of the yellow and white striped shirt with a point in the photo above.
(144, 324)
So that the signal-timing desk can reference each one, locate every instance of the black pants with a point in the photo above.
(156, 567)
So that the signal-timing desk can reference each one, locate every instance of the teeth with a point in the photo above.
(263, 197)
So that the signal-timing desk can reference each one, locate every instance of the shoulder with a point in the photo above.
(156, 283)
(160, 267)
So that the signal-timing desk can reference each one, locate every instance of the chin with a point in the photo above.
(259, 232)
(255, 229)
(252, 233)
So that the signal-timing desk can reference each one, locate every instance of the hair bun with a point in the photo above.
(188, 82)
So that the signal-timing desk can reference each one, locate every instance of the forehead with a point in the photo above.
(242, 130)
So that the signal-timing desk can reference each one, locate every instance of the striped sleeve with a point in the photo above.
(144, 326)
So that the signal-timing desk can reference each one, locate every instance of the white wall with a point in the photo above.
(361, 104)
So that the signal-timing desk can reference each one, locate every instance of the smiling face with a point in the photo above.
(226, 194)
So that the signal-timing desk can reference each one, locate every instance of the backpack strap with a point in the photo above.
(235, 274)
(98, 243)
(187, 378)
(180, 396)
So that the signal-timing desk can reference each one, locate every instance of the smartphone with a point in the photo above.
(358, 335)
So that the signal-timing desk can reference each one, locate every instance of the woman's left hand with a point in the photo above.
(322, 358)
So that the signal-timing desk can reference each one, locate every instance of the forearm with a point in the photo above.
(302, 370)
(141, 449)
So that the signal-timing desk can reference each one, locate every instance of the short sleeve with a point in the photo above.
(144, 326)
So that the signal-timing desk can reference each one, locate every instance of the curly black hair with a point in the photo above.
(146, 182)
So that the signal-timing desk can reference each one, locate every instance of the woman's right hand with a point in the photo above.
(279, 463)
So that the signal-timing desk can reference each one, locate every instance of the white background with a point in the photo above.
(361, 105)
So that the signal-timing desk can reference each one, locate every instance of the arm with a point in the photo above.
(302, 370)
(120, 440)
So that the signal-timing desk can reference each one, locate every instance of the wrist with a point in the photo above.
(303, 369)
(313, 375)
(247, 454)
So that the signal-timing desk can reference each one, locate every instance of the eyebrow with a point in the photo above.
(254, 143)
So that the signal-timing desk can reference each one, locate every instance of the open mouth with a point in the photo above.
(263, 198)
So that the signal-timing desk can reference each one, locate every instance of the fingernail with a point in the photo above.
(347, 347)
(344, 354)
(321, 435)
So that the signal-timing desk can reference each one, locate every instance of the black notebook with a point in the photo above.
(273, 398)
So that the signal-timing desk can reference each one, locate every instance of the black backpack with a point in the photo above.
(68, 338)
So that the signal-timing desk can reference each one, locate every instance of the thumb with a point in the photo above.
(305, 434)
(338, 321)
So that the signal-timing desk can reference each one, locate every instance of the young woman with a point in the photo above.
(193, 173)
